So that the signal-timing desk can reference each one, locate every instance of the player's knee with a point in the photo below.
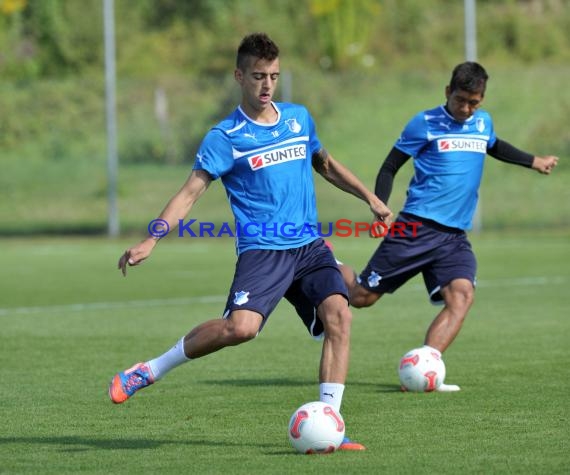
(360, 297)
(335, 315)
(241, 330)
(465, 296)
(345, 319)
(470, 297)
(337, 324)
(460, 296)
(241, 334)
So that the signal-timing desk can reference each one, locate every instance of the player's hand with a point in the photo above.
(544, 165)
(136, 255)
(383, 218)
(381, 212)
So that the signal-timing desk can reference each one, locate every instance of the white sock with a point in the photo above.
(331, 393)
(169, 360)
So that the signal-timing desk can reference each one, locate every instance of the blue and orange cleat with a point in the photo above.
(348, 444)
(126, 383)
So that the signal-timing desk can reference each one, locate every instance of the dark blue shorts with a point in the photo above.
(439, 253)
(305, 276)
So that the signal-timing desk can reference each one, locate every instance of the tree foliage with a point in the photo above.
(51, 59)
(46, 38)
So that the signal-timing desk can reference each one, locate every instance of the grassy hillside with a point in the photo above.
(55, 179)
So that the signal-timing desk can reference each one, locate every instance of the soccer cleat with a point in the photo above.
(448, 388)
(348, 444)
(126, 383)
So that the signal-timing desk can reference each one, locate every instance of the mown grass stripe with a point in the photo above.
(81, 307)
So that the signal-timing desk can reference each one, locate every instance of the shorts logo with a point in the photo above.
(374, 279)
(241, 297)
(462, 145)
(277, 156)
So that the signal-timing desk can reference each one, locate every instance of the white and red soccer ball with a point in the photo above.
(421, 370)
(316, 428)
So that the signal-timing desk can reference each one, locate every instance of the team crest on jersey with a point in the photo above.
(241, 297)
(293, 125)
(480, 124)
(277, 156)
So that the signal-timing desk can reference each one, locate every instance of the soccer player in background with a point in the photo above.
(448, 144)
(264, 153)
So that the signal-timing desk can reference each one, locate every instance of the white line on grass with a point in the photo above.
(512, 282)
(81, 307)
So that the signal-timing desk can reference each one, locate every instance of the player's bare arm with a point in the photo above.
(340, 176)
(544, 165)
(177, 208)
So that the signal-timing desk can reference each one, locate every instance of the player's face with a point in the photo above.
(462, 104)
(258, 82)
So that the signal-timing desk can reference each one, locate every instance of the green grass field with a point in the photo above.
(70, 320)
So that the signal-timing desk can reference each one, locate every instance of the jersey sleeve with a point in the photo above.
(414, 136)
(215, 154)
(385, 178)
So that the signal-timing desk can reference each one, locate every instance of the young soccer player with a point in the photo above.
(264, 153)
(448, 144)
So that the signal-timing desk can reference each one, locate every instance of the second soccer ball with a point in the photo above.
(421, 370)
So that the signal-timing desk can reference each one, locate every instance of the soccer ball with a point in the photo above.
(421, 370)
(316, 428)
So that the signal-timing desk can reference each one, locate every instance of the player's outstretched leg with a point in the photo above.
(336, 318)
(128, 382)
(458, 297)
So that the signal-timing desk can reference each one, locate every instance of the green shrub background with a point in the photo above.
(362, 67)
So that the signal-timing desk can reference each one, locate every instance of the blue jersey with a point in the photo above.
(267, 172)
(448, 164)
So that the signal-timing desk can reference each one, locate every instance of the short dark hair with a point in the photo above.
(469, 77)
(258, 45)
